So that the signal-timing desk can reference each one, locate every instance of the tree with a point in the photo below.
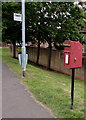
(11, 30)
(47, 21)
(70, 20)
(61, 21)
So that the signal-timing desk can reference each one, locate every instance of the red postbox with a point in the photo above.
(72, 54)
(72, 59)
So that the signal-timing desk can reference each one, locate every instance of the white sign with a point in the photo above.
(17, 17)
(66, 58)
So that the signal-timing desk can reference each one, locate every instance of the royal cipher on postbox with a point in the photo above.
(72, 54)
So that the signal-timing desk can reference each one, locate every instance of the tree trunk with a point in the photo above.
(49, 55)
(14, 49)
(38, 52)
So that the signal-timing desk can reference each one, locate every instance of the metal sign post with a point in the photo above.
(23, 39)
(23, 57)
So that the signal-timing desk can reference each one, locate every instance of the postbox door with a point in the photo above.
(76, 55)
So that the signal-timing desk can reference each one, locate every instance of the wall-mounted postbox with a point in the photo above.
(72, 54)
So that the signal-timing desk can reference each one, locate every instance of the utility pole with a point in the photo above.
(23, 40)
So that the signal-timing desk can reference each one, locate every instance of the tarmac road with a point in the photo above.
(16, 101)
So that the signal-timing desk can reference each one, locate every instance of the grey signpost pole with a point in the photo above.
(23, 39)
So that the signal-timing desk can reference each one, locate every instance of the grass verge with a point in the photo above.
(50, 88)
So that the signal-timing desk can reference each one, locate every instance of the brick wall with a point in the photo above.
(57, 61)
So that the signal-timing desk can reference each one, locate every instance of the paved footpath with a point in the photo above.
(16, 101)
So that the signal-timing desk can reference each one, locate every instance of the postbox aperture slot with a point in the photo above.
(66, 45)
